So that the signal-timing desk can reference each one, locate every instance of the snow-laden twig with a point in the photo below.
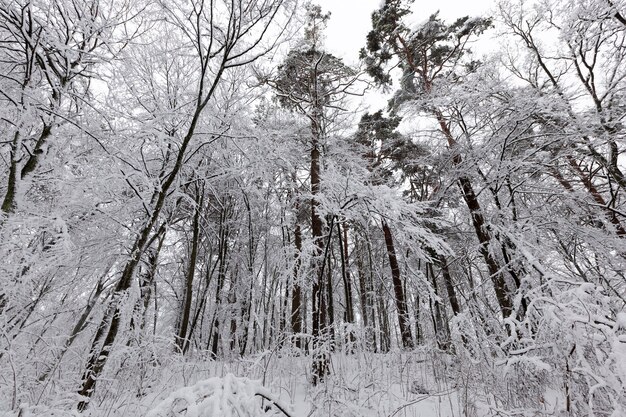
(420, 399)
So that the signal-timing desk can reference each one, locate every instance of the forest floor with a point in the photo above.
(400, 384)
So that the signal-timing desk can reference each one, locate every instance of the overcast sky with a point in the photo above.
(350, 19)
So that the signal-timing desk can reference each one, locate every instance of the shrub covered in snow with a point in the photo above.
(220, 397)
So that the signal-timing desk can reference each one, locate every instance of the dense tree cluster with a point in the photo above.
(190, 180)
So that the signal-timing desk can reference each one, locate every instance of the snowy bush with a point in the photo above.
(220, 397)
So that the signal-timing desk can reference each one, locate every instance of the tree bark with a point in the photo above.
(383, 321)
(96, 363)
(319, 315)
(221, 278)
(347, 282)
(440, 320)
(503, 295)
(367, 307)
(8, 203)
(447, 278)
(296, 292)
(181, 338)
(398, 289)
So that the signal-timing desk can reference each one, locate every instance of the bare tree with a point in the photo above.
(222, 35)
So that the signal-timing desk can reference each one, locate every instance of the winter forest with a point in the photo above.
(204, 214)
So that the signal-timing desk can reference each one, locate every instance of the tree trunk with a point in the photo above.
(504, 296)
(319, 317)
(447, 278)
(80, 325)
(221, 278)
(8, 203)
(440, 320)
(181, 338)
(233, 310)
(296, 293)
(366, 287)
(200, 309)
(417, 313)
(347, 284)
(146, 284)
(383, 321)
(398, 288)
(330, 304)
(96, 362)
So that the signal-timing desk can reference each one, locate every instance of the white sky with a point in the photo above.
(350, 20)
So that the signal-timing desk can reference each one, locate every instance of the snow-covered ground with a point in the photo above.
(416, 384)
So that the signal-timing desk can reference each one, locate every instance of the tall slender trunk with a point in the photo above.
(398, 289)
(284, 314)
(418, 319)
(246, 308)
(221, 278)
(440, 320)
(367, 307)
(146, 284)
(233, 310)
(181, 338)
(296, 292)
(321, 359)
(201, 308)
(384, 329)
(347, 283)
(447, 278)
(330, 303)
(247, 298)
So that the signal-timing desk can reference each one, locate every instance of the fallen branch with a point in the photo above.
(276, 403)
